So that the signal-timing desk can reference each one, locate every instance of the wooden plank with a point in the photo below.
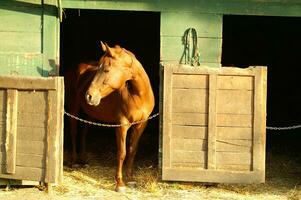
(209, 176)
(259, 133)
(188, 165)
(235, 82)
(2, 101)
(192, 119)
(25, 64)
(167, 115)
(203, 70)
(21, 42)
(233, 158)
(27, 83)
(234, 120)
(20, 21)
(242, 168)
(189, 132)
(27, 160)
(28, 133)
(33, 99)
(36, 120)
(234, 102)
(190, 81)
(234, 145)
(25, 173)
(188, 144)
(241, 7)
(60, 130)
(209, 49)
(188, 156)
(190, 100)
(212, 123)
(28, 147)
(11, 131)
(206, 25)
(6, 182)
(231, 133)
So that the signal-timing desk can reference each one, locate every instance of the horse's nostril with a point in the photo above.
(89, 97)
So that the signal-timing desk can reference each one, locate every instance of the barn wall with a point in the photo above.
(205, 16)
(28, 31)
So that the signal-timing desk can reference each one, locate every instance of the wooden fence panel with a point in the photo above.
(31, 131)
(213, 124)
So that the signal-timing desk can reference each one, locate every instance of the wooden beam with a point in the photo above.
(212, 122)
(11, 131)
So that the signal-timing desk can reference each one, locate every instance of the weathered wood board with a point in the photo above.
(31, 128)
(213, 126)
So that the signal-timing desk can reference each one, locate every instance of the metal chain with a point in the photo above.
(283, 128)
(111, 125)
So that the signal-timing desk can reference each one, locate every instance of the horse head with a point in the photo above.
(115, 68)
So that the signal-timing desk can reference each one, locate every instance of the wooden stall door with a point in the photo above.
(31, 128)
(213, 126)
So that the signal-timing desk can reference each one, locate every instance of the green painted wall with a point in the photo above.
(29, 29)
(28, 32)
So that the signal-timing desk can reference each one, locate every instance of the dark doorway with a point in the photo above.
(139, 32)
(273, 42)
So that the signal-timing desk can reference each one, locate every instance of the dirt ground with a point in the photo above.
(283, 181)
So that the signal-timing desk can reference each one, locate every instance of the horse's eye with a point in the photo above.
(106, 70)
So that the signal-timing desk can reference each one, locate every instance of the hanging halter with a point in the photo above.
(191, 54)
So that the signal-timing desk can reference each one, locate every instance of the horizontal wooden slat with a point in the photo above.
(190, 100)
(209, 49)
(234, 167)
(27, 133)
(195, 119)
(231, 133)
(234, 102)
(28, 147)
(25, 173)
(234, 145)
(235, 82)
(33, 101)
(27, 160)
(233, 120)
(206, 25)
(233, 7)
(20, 21)
(214, 176)
(28, 83)
(32, 119)
(205, 70)
(233, 158)
(189, 132)
(20, 42)
(189, 81)
(188, 156)
(188, 165)
(188, 144)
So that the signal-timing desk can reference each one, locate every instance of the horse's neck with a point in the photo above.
(140, 84)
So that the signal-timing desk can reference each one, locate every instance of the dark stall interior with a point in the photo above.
(139, 32)
(273, 42)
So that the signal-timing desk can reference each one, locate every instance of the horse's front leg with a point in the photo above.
(137, 131)
(121, 133)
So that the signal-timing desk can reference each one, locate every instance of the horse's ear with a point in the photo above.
(103, 46)
(107, 49)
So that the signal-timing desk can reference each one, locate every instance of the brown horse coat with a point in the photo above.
(117, 91)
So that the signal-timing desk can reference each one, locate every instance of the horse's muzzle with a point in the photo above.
(93, 100)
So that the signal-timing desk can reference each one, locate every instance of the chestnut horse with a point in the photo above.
(116, 91)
